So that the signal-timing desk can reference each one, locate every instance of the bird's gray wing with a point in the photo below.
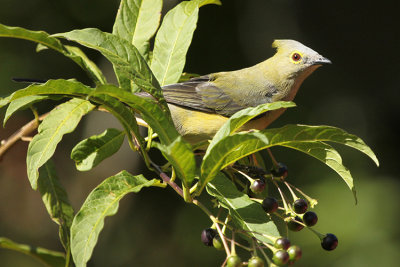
(201, 94)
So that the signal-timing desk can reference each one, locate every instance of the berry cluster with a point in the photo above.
(295, 213)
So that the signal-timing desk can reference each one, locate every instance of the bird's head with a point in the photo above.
(294, 59)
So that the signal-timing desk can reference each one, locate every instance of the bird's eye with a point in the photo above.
(296, 57)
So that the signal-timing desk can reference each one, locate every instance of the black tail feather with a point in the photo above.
(28, 80)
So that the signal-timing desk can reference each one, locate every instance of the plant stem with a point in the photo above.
(216, 222)
(18, 135)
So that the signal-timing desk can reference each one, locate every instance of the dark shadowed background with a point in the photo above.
(359, 92)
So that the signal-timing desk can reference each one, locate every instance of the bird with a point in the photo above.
(201, 105)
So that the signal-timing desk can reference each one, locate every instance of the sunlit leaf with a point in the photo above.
(126, 59)
(103, 201)
(22, 103)
(236, 146)
(93, 71)
(172, 42)
(137, 21)
(90, 152)
(62, 120)
(242, 117)
(47, 41)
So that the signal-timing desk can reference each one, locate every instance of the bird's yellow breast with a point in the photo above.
(196, 126)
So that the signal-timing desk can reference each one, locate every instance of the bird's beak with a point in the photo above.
(320, 60)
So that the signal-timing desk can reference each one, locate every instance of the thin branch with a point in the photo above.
(21, 134)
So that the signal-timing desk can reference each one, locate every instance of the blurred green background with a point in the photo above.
(359, 92)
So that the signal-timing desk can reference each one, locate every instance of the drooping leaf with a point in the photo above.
(246, 213)
(44, 40)
(328, 155)
(56, 201)
(21, 103)
(47, 257)
(236, 146)
(93, 71)
(39, 37)
(90, 152)
(126, 59)
(103, 201)
(181, 157)
(62, 120)
(137, 21)
(172, 42)
(240, 118)
(124, 114)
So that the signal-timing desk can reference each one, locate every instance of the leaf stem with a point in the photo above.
(274, 162)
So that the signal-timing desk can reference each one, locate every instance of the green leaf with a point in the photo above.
(172, 42)
(61, 120)
(236, 146)
(328, 155)
(47, 257)
(149, 109)
(82, 60)
(206, 2)
(126, 59)
(124, 114)
(56, 201)
(103, 201)
(246, 213)
(77, 89)
(90, 152)
(180, 155)
(21, 103)
(39, 37)
(47, 41)
(137, 21)
(240, 118)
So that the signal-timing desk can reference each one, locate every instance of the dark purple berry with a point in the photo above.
(280, 171)
(280, 257)
(257, 186)
(329, 242)
(255, 262)
(294, 253)
(310, 218)
(282, 243)
(207, 236)
(270, 204)
(234, 261)
(300, 206)
(294, 224)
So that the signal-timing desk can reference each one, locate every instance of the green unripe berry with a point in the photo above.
(234, 261)
(294, 253)
(217, 243)
(255, 262)
(282, 243)
(280, 257)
